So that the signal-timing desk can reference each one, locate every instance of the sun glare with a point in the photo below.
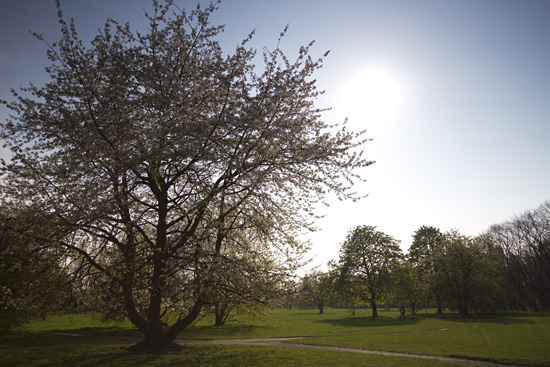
(371, 98)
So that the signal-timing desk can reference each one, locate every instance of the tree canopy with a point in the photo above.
(366, 261)
(469, 273)
(426, 240)
(169, 170)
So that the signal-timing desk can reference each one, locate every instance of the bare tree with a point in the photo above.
(315, 289)
(525, 242)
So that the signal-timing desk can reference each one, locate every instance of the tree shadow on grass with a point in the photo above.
(504, 318)
(229, 330)
(92, 334)
(69, 337)
(369, 321)
(103, 356)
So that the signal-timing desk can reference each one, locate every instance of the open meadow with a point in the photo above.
(82, 340)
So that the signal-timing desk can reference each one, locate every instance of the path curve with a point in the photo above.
(286, 343)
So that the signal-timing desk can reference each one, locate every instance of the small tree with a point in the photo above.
(153, 153)
(367, 258)
(315, 289)
(251, 285)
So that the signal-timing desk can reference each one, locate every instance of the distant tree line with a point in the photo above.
(508, 267)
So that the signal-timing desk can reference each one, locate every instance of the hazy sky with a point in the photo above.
(459, 115)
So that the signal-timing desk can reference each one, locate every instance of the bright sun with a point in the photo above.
(371, 98)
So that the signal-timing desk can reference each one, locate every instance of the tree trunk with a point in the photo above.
(463, 308)
(156, 338)
(439, 307)
(374, 309)
(463, 311)
(159, 340)
(221, 313)
(155, 341)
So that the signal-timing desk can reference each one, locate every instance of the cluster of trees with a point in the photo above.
(164, 177)
(446, 270)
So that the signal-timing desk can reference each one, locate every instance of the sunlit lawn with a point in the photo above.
(520, 338)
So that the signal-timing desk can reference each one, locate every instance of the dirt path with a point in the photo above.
(286, 343)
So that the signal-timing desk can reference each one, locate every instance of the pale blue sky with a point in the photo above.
(467, 146)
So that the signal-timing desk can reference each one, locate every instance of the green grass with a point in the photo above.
(509, 339)
(519, 338)
(200, 355)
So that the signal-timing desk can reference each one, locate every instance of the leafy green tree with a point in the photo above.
(153, 153)
(367, 259)
(425, 240)
(406, 285)
(469, 273)
(340, 291)
(32, 283)
(348, 292)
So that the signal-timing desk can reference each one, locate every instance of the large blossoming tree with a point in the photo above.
(171, 172)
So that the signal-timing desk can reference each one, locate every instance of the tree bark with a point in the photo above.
(221, 314)
(155, 341)
(158, 340)
(374, 309)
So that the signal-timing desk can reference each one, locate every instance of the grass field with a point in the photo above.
(513, 338)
